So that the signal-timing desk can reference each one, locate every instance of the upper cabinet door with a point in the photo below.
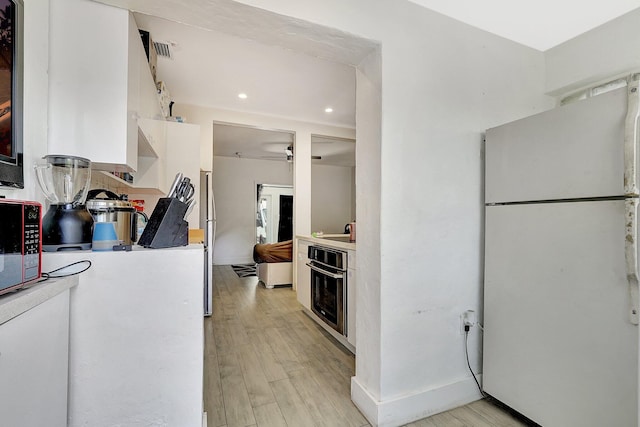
(98, 76)
(575, 151)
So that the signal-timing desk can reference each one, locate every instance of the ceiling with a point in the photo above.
(210, 68)
(295, 69)
(270, 144)
(540, 24)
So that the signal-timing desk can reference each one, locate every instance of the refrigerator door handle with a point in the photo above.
(631, 136)
(631, 255)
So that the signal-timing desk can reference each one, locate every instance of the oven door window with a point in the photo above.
(327, 299)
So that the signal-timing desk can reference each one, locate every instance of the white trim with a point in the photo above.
(406, 409)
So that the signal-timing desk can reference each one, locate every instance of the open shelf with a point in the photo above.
(145, 148)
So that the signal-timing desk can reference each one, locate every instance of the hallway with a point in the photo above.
(268, 364)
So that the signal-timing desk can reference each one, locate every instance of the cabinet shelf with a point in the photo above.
(145, 148)
(118, 181)
(127, 187)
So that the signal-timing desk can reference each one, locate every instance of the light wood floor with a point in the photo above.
(267, 364)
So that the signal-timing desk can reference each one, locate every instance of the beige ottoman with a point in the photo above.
(275, 273)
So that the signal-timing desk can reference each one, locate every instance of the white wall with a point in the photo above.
(443, 83)
(234, 187)
(331, 198)
(36, 88)
(368, 202)
(609, 50)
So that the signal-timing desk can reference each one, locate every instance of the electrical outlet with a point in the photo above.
(467, 318)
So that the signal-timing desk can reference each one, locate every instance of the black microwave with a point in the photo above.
(20, 243)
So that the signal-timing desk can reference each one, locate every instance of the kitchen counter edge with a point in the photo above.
(16, 303)
(326, 242)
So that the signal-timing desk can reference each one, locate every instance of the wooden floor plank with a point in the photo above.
(269, 415)
(254, 378)
(212, 395)
(322, 410)
(291, 405)
(495, 415)
(237, 406)
(282, 351)
(270, 365)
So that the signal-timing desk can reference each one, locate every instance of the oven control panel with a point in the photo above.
(329, 257)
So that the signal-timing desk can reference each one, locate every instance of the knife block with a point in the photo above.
(166, 227)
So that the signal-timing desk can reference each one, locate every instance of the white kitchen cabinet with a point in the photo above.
(351, 297)
(34, 351)
(303, 275)
(183, 155)
(173, 147)
(99, 84)
(151, 174)
(180, 153)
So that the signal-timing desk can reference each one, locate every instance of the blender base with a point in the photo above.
(67, 228)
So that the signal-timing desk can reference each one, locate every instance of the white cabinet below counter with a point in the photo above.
(34, 354)
(351, 297)
(303, 275)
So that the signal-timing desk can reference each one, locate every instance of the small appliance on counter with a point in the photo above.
(67, 225)
(20, 243)
(350, 229)
(114, 209)
(167, 226)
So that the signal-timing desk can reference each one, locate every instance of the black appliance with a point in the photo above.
(329, 286)
(67, 225)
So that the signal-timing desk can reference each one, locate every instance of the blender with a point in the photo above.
(67, 225)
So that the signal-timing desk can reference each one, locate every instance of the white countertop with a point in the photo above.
(15, 303)
(326, 241)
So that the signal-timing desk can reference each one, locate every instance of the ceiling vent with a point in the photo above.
(162, 49)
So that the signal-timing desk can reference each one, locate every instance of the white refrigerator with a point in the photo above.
(561, 281)
(208, 224)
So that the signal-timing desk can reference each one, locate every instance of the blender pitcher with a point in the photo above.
(67, 225)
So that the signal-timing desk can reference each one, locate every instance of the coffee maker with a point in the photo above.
(67, 225)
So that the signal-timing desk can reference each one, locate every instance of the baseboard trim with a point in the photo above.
(406, 409)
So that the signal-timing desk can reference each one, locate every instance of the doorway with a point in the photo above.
(274, 213)
(285, 222)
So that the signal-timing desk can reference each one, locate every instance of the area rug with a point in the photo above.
(244, 270)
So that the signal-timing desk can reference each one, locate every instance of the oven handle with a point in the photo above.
(325, 272)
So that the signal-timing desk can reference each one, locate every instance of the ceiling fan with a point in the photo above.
(289, 152)
(288, 155)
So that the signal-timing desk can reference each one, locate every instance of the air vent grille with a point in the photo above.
(162, 49)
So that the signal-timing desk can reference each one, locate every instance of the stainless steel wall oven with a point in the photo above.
(329, 286)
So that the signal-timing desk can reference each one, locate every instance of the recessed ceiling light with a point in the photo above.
(328, 110)
(242, 95)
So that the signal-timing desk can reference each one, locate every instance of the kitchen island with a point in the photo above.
(303, 283)
(135, 337)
